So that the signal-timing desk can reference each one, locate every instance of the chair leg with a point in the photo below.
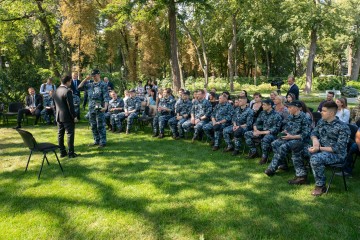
(332, 176)
(28, 161)
(344, 179)
(42, 164)
(47, 160)
(62, 170)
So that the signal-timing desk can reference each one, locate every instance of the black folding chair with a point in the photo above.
(13, 109)
(31, 143)
(316, 116)
(341, 166)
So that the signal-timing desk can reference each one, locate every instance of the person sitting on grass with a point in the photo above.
(266, 128)
(329, 138)
(294, 138)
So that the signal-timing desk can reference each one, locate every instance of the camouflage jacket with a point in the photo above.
(243, 116)
(183, 108)
(201, 108)
(116, 103)
(97, 94)
(298, 125)
(168, 103)
(132, 103)
(223, 111)
(269, 121)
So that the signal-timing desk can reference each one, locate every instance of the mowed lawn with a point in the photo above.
(144, 188)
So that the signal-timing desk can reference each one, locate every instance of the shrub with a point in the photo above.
(349, 91)
(354, 84)
(327, 83)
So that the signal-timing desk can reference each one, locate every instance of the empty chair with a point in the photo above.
(13, 109)
(31, 143)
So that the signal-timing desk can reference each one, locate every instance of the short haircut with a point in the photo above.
(331, 106)
(331, 92)
(257, 94)
(292, 78)
(66, 79)
(212, 94)
(224, 95)
(201, 91)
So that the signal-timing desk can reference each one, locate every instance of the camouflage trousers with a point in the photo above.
(115, 120)
(281, 148)
(218, 129)
(266, 141)
(159, 123)
(46, 115)
(97, 122)
(238, 134)
(130, 119)
(197, 128)
(319, 160)
(176, 126)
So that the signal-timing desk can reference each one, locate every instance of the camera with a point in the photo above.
(278, 82)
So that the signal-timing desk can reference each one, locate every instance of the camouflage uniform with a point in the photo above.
(162, 117)
(240, 117)
(130, 104)
(266, 121)
(221, 112)
(336, 135)
(182, 108)
(76, 100)
(355, 114)
(199, 109)
(115, 114)
(296, 125)
(47, 113)
(98, 95)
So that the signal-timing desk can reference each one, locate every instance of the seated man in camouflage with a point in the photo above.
(132, 108)
(49, 108)
(242, 121)
(165, 111)
(115, 108)
(200, 114)
(220, 119)
(294, 138)
(266, 127)
(182, 111)
(329, 138)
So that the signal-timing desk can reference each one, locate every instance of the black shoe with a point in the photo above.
(253, 155)
(101, 145)
(228, 149)
(211, 143)
(63, 154)
(283, 167)
(269, 172)
(161, 135)
(215, 148)
(74, 155)
(155, 135)
(298, 180)
(263, 160)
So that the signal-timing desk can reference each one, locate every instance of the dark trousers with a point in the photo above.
(85, 99)
(23, 111)
(69, 127)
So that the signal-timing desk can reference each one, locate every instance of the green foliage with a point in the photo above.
(44, 73)
(326, 83)
(349, 92)
(354, 84)
(16, 80)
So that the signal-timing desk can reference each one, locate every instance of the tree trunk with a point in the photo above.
(173, 46)
(206, 64)
(350, 56)
(267, 63)
(49, 38)
(310, 62)
(356, 64)
(255, 67)
(230, 54)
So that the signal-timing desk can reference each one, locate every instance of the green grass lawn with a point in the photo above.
(144, 188)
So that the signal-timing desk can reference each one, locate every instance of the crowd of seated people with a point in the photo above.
(271, 128)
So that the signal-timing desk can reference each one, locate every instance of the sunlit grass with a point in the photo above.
(144, 188)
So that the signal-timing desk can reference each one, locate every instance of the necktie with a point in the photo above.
(75, 84)
(34, 101)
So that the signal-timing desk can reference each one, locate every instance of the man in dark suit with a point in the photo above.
(65, 116)
(33, 106)
(294, 89)
(75, 82)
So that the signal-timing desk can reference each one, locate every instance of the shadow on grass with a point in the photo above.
(202, 191)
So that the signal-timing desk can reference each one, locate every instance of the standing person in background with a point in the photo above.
(98, 104)
(65, 117)
(45, 88)
(75, 89)
(294, 89)
(110, 85)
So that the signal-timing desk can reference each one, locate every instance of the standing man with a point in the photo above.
(294, 89)
(45, 88)
(98, 103)
(33, 106)
(65, 117)
(75, 82)
(329, 138)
